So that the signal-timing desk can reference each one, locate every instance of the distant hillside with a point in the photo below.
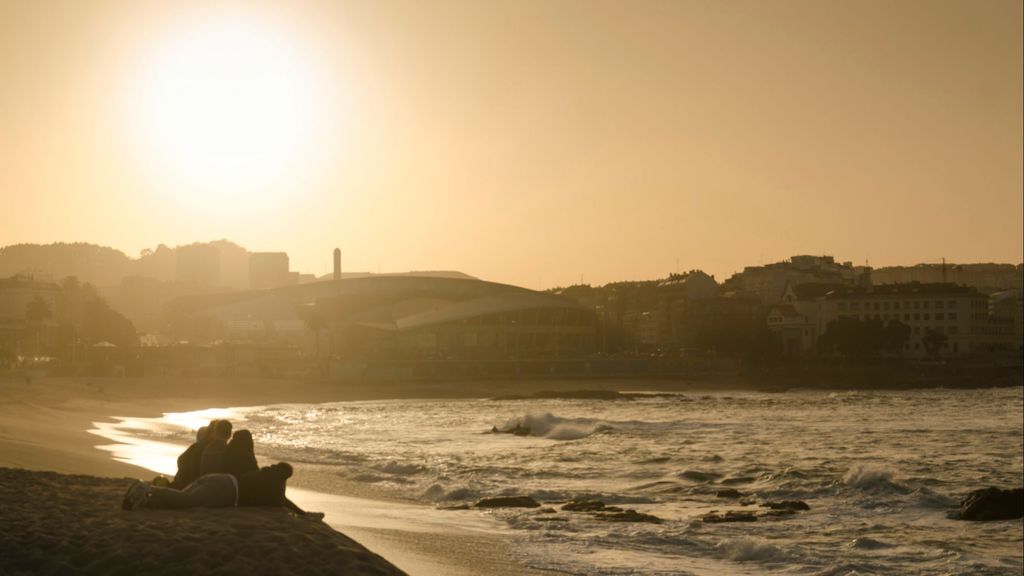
(100, 265)
(105, 266)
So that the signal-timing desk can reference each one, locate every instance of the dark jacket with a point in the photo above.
(213, 456)
(188, 466)
(264, 488)
(239, 457)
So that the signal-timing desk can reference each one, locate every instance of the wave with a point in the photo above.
(398, 468)
(547, 425)
(870, 478)
(436, 492)
(751, 550)
(865, 543)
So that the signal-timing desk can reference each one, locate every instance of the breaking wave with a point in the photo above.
(547, 425)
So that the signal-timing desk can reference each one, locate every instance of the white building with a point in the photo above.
(960, 313)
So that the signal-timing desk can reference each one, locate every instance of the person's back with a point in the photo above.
(190, 460)
(266, 486)
(239, 455)
(213, 453)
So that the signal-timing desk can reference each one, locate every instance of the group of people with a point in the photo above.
(218, 470)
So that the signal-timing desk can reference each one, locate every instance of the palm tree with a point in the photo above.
(38, 311)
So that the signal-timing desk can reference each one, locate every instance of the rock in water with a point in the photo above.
(993, 504)
(508, 502)
(627, 516)
(583, 506)
(729, 493)
(787, 505)
(730, 516)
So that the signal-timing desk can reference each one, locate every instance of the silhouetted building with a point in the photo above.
(769, 282)
(987, 278)
(269, 270)
(397, 319)
(1010, 304)
(337, 264)
(17, 294)
(960, 314)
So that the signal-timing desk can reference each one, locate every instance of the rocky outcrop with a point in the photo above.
(730, 516)
(508, 502)
(517, 430)
(627, 516)
(993, 504)
(589, 506)
(609, 513)
(794, 505)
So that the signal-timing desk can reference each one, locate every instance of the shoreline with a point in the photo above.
(46, 424)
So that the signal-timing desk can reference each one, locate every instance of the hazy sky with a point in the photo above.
(528, 142)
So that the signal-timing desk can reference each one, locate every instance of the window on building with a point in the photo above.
(906, 317)
(939, 316)
(925, 304)
(927, 316)
(917, 329)
(952, 315)
(939, 304)
(951, 330)
(917, 305)
(885, 305)
(878, 306)
(951, 303)
(917, 316)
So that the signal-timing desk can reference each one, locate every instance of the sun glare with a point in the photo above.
(226, 110)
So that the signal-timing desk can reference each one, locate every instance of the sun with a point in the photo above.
(226, 110)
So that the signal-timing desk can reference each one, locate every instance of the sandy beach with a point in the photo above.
(72, 524)
(44, 428)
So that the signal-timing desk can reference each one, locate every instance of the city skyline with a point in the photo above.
(529, 143)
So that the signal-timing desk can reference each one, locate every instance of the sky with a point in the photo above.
(535, 142)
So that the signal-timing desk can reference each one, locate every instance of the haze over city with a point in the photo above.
(512, 287)
(534, 143)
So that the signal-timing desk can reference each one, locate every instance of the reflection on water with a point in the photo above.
(160, 457)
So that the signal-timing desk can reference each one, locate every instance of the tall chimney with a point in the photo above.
(337, 264)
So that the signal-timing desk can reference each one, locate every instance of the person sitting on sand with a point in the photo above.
(264, 487)
(213, 454)
(239, 456)
(189, 461)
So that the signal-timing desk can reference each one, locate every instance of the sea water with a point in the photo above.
(882, 472)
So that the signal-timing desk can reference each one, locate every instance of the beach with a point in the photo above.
(45, 427)
(72, 524)
(398, 468)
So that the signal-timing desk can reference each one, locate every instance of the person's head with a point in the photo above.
(281, 470)
(242, 439)
(201, 434)
(222, 429)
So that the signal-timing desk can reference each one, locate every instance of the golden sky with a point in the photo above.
(532, 141)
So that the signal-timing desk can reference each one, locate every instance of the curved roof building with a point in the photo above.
(401, 317)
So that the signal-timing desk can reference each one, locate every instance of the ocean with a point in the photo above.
(881, 471)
